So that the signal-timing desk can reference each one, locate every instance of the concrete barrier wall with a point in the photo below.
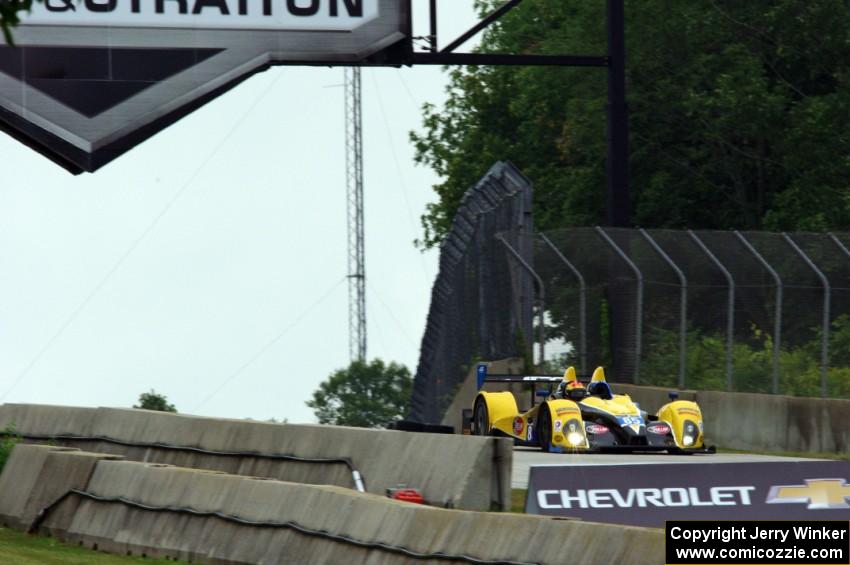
(36, 476)
(120, 528)
(463, 472)
(779, 423)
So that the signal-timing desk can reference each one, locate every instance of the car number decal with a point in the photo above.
(630, 420)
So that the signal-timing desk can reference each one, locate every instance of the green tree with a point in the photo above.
(366, 395)
(9, 438)
(739, 113)
(154, 401)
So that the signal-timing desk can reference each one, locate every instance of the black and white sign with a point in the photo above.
(649, 494)
(89, 79)
(800, 542)
(279, 15)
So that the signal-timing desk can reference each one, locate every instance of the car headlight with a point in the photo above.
(575, 438)
(689, 433)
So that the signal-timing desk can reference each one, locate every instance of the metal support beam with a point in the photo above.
(582, 302)
(356, 235)
(433, 35)
(619, 198)
(840, 245)
(489, 19)
(541, 296)
(777, 315)
(730, 306)
(442, 58)
(827, 293)
(683, 305)
(639, 300)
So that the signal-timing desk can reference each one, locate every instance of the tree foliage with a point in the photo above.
(367, 395)
(739, 115)
(154, 401)
(752, 360)
(9, 438)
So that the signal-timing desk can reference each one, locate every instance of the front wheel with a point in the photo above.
(544, 428)
(481, 419)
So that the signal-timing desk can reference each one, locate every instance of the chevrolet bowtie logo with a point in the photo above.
(820, 494)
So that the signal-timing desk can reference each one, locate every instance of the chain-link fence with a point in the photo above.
(736, 311)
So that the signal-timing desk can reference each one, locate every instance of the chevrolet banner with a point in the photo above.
(650, 494)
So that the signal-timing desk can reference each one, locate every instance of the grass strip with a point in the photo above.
(24, 549)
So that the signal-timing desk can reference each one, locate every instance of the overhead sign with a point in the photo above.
(650, 494)
(89, 79)
(311, 15)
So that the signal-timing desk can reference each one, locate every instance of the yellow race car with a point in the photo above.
(577, 416)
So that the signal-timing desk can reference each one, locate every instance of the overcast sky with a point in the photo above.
(209, 263)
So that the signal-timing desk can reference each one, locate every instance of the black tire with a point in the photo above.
(544, 428)
(481, 419)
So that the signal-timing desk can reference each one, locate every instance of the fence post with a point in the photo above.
(730, 306)
(541, 296)
(639, 307)
(582, 301)
(683, 304)
(777, 322)
(827, 292)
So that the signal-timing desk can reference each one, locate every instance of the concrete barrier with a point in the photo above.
(776, 423)
(457, 471)
(36, 476)
(326, 524)
(44, 419)
(651, 398)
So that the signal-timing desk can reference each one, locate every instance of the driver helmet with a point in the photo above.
(566, 387)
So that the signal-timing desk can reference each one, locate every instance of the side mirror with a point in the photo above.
(673, 395)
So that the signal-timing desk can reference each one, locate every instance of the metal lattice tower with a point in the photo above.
(354, 185)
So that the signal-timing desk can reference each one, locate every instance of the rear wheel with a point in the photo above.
(481, 419)
(544, 428)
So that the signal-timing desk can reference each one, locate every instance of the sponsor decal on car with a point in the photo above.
(558, 425)
(529, 436)
(660, 429)
(518, 426)
(687, 411)
(596, 429)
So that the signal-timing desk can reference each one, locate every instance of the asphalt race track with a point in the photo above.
(525, 457)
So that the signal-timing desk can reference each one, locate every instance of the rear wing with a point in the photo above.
(485, 377)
